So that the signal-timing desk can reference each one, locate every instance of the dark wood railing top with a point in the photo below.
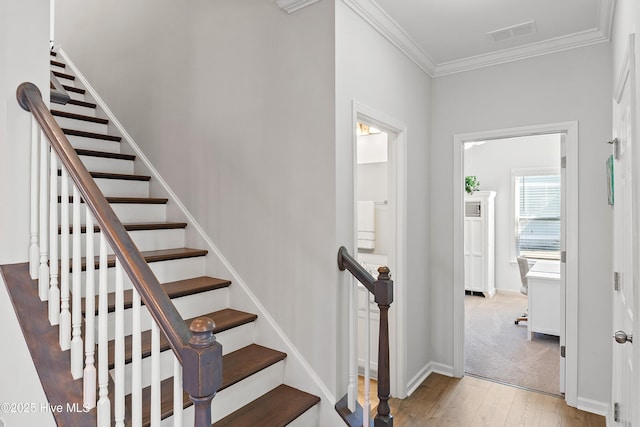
(195, 346)
(347, 262)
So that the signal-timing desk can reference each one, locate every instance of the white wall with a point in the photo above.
(492, 163)
(24, 56)
(370, 71)
(233, 102)
(565, 86)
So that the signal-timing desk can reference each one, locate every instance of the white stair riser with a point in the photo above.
(145, 240)
(129, 212)
(188, 306)
(308, 419)
(234, 397)
(75, 95)
(104, 164)
(117, 187)
(59, 69)
(165, 271)
(94, 144)
(76, 109)
(84, 125)
(65, 81)
(166, 361)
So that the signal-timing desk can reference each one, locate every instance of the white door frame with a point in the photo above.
(571, 242)
(397, 146)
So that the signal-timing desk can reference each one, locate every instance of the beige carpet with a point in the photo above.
(497, 349)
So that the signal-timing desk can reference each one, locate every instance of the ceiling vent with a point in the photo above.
(512, 32)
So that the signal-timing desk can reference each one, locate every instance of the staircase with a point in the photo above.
(253, 392)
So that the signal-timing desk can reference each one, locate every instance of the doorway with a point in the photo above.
(512, 225)
(395, 210)
(569, 244)
(373, 227)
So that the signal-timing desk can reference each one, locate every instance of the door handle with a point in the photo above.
(621, 337)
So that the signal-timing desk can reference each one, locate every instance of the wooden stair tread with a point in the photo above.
(58, 63)
(278, 407)
(79, 117)
(52, 53)
(104, 154)
(142, 226)
(63, 75)
(81, 103)
(150, 256)
(74, 89)
(110, 175)
(93, 135)
(132, 200)
(237, 366)
(224, 320)
(176, 289)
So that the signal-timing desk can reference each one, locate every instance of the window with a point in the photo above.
(537, 213)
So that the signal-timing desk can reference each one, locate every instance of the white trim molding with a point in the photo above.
(593, 406)
(375, 16)
(544, 47)
(291, 6)
(423, 374)
(570, 129)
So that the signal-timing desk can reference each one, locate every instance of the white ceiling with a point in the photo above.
(448, 36)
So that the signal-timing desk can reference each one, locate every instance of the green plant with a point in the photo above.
(471, 184)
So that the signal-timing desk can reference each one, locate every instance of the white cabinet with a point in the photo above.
(479, 242)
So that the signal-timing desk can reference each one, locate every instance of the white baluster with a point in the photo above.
(119, 350)
(65, 315)
(76, 333)
(43, 273)
(136, 363)
(34, 248)
(89, 380)
(366, 407)
(178, 405)
(352, 387)
(54, 291)
(155, 375)
(104, 408)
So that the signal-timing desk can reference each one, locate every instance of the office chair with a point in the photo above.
(523, 265)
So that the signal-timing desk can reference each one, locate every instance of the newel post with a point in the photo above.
(202, 369)
(384, 297)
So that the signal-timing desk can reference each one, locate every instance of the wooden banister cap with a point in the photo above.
(202, 329)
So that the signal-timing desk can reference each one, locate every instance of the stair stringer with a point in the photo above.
(298, 371)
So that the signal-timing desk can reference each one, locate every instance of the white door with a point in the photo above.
(624, 373)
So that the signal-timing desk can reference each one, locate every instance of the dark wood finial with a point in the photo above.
(202, 329)
(383, 273)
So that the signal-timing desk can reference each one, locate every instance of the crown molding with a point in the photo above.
(291, 6)
(544, 47)
(375, 16)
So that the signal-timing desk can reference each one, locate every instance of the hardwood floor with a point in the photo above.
(444, 401)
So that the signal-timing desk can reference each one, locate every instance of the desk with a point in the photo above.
(544, 298)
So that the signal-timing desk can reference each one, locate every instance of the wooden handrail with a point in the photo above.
(382, 289)
(195, 346)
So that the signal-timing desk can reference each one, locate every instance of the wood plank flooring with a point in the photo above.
(468, 401)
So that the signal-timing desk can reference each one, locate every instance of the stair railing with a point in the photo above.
(196, 353)
(382, 291)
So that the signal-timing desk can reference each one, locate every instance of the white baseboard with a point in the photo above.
(593, 406)
(423, 374)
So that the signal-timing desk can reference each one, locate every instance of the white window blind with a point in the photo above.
(537, 216)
